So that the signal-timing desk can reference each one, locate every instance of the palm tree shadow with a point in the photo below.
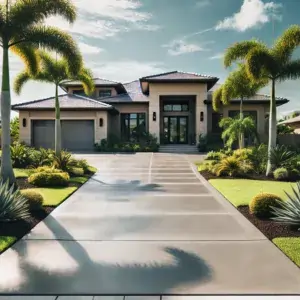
(91, 277)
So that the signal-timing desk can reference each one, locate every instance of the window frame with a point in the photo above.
(127, 130)
(103, 91)
(182, 105)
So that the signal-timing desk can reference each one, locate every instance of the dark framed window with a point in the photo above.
(104, 93)
(79, 92)
(176, 107)
(250, 113)
(216, 118)
(133, 126)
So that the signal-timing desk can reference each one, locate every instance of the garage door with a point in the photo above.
(76, 135)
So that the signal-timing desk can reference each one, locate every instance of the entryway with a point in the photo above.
(176, 130)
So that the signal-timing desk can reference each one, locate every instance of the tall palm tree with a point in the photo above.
(274, 64)
(55, 71)
(237, 85)
(22, 30)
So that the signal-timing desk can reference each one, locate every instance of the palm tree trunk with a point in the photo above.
(57, 123)
(6, 172)
(242, 137)
(272, 127)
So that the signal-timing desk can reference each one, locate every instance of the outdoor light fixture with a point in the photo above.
(101, 122)
(24, 122)
(154, 116)
(202, 116)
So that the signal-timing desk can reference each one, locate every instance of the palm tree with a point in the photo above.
(55, 71)
(22, 30)
(237, 85)
(273, 64)
(236, 128)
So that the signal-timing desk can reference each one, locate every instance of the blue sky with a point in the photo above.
(125, 39)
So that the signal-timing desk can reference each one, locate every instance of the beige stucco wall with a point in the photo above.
(97, 89)
(100, 132)
(171, 89)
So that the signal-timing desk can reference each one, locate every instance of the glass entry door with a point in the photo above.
(176, 130)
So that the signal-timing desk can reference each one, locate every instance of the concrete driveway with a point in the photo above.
(146, 224)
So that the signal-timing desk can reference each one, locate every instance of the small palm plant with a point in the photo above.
(235, 129)
(289, 211)
(55, 71)
(13, 206)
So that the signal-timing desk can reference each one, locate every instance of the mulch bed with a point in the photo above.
(269, 228)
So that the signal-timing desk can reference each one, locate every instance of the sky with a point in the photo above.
(123, 40)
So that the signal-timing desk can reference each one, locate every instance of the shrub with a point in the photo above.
(207, 165)
(13, 206)
(34, 199)
(261, 205)
(20, 155)
(242, 154)
(230, 166)
(41, 157)
(214, 155)
(136, 148)
(14, 129)
(44, 179)
(64, 161)
(83, 164)
(46, 170)
(288, 212)
(76, 171)
(281, 174)
(280, 156)
(258, 158)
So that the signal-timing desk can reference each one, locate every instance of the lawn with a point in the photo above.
(21, 173)
(6, 241)
(80, 180)
(241, 191)
(55, 195)
(289, 246)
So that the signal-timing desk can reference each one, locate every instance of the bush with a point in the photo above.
(41, 157)
(64, 161)
(214, 155)
(258, 158)
(281, 174)
(76, 171)
(13, 206)
(207, 165)
(20, 155)
(14, 129)
(242, 154)
(44, 179)
(262, 204)
(229, 166)
(34, 199)
(281, 156)
(46, 170)
(83, 164)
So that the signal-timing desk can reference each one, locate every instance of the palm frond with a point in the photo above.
(48, 63)
(28, 55)
(216, 98)
(24, 13)
(53, 39)
(239, 51)
(87, 82)
(20, 80)
(290, 70)
(259, 63)
(285, 45)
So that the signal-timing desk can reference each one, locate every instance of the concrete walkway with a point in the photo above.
(146, 224)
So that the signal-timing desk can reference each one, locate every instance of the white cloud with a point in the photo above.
(217, 56)
(253, 13)
(203, 3)
(88, 49)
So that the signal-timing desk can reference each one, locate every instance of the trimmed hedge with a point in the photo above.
(45, 179)
(35, 199)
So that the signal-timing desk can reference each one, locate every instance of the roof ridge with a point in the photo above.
(107, 80)
(90, 99)
(38, 100)
(160, 74)
(197, 74)
(130, 81)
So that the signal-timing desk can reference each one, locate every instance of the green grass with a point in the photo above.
(241, 191)
(56, 195)
(21, 173)
(80, 180)
(6, 242)
(290, 247)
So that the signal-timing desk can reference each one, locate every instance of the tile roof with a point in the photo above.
(291, 121)
(178, 75)
(97, 81)
(66, 101)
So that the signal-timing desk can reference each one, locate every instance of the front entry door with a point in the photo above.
(176, 130)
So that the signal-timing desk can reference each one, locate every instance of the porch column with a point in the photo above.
(201, 126)
(154, 110)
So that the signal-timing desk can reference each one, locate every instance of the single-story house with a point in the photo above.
(174, 106)
(294, 123)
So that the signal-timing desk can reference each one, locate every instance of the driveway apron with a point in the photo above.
(146, 224)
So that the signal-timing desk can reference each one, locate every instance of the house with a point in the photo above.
(294, 123)
(174, 106)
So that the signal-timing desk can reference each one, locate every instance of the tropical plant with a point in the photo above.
(284, 129)
(75, 171)
(34, 199)
(41, 157)
(55, 71)
(229, 166)
(44, 179)
(281, 174)
(14, 129)
(13, 206)
(262, 204)
(64, 161)
(289, 211)
(235, 128)
(280, 156)
(258, 158)
(215, 155)
(20, 155)
(273, 64)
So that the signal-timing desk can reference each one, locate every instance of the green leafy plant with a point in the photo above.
(41, 157)
(262, 204)
(289, 211)
(34, 199)
(75, 171)
(202, 143)
(14, 129)
(214, 155)
(46, 169)
(13, 206)
(64, 161)
(229, 166)
(242, 154)
(44, 179)
(20, 155)
(280, 156)
(281, 174)
(258, 158)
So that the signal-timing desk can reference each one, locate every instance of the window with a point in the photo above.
(250, 113)
(104, 93)
(79, 92)
(216, 118)
(176, 107)
(133, 126)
